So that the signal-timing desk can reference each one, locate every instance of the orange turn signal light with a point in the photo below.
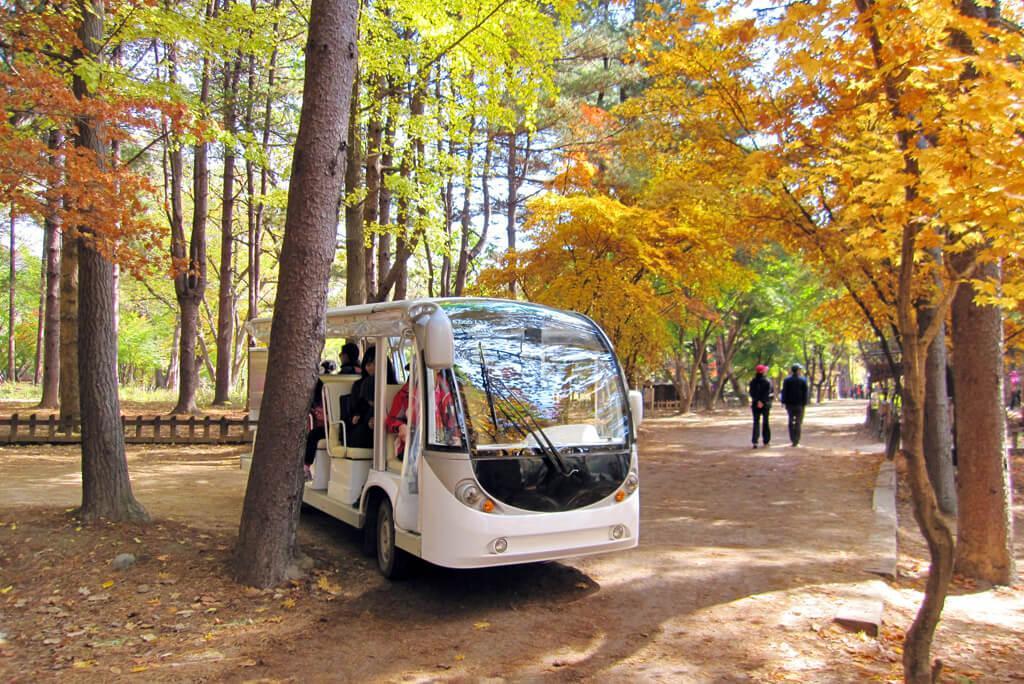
(620, 495)
(488, 506)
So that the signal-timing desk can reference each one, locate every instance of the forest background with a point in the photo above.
(474, 127)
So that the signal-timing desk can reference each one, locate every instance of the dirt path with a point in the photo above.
(744, 556)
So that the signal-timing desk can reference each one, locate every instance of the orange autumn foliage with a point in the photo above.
(108, 197)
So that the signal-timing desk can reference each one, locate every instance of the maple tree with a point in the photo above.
(849, 122)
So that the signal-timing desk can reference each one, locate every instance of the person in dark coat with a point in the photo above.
(317, 421)
(795, 397)
(760, 405)
(357, 408)
(350, 359)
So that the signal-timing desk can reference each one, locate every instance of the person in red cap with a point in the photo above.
(760, 405)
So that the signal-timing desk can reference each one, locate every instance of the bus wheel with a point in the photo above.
(392, 561)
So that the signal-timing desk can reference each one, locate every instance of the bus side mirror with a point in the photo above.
(636, 407)
(437, 341)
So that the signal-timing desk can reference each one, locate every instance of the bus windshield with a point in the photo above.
(536, 378)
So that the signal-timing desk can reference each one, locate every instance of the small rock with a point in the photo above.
(142, 589)
(294, 572)
(123, 561)
(861, 616)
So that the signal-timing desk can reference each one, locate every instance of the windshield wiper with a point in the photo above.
(488, 392)
(515, 411)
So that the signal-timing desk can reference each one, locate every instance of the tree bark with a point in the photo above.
(174, 365)
(51, 328)
(938, 447)
(106, 487)
(190, 281)
(985, 534)
(12, 310)
(355, 243)
(371, 205)
(68, 366)
(266, 540)
(256, 239)
(984, 545)
(512, 180)
(37, 375)
(465, 223)
(226, 293)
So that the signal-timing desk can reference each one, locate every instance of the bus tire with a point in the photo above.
(392, 561)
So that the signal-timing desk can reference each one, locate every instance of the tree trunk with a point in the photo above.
(371, 205)
(985, 533)
(984, 548)
(485, 194)
(355, 242)
(226, 294)
(266, 539)
(106, 488)
(68, 384)
(934, 526)
(12, 311)
(465, 220)
(190, 280)
(512, 180)
(171, 380)
(938, 448)
(256, 240)
(51, 328)
(37, 374)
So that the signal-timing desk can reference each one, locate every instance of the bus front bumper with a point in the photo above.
(457, 536)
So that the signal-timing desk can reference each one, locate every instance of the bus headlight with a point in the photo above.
(631, 483)
(499, 545)
(469, 493)
(617, 532)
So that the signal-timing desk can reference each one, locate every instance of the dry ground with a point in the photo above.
(744, 557)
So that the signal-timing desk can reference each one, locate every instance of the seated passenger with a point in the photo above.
(398, 419)
(316, 422)
(350, 359)
(357, 408)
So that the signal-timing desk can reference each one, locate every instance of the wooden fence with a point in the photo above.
(50, 429)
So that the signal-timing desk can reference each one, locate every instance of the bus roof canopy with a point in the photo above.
(364, 320)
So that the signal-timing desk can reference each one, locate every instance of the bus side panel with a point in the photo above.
(457, 536)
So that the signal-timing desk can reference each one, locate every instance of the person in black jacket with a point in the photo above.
(795, 396)
(760, 405)
(316, 421)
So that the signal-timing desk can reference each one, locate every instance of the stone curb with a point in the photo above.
(865, 614)
(882, 540)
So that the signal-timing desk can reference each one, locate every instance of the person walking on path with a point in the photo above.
(760, 404)
(795, 396)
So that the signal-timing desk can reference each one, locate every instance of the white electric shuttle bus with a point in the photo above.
(521, 435)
